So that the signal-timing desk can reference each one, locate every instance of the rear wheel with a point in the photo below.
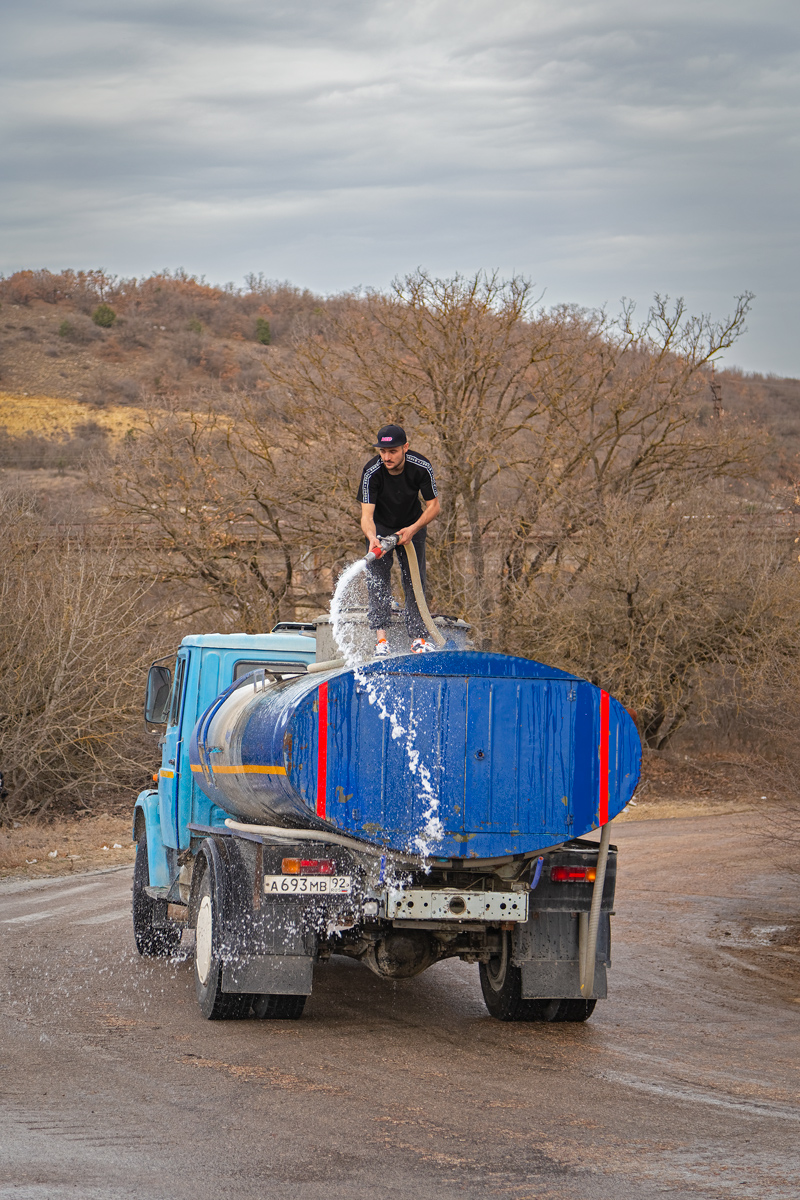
(215, 1004)
(501, 984)
(152, 940)
(279, 1008)
(571, 1010)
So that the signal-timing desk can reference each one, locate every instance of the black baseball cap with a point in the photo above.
(390, 436)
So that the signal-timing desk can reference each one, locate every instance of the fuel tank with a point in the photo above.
(455, 754)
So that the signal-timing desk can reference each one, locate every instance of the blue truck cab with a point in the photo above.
(206, 664)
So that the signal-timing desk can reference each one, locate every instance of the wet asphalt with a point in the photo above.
(684, 1083)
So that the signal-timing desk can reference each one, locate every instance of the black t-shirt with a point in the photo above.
(396, 497)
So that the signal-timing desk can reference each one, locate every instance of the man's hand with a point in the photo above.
(405, 535)
(374, 544)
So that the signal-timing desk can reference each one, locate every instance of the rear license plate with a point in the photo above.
(308, 885)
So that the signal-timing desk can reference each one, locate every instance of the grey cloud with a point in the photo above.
(603, 148)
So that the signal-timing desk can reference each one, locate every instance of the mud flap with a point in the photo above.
(269, 974)
(545, 948)
(554, 980)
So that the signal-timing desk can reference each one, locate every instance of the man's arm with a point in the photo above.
(368, 525)
(430, 512)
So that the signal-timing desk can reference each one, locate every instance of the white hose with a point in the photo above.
(331, 665)
(587, 959)
(314, 835)
(419, 594)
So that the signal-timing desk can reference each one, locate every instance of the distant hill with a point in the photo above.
(169, 335)
(70, 385)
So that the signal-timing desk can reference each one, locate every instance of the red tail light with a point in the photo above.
(573, 874)
(308, 866)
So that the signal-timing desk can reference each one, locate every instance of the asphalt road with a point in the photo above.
(684, 1083)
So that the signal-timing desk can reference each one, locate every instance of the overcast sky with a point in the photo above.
(603, 149)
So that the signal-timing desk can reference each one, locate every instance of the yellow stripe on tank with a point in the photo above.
(249, 769)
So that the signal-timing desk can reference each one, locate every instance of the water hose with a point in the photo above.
(389, 543)
(587, 958)
(279, 834)
(419, 595)
(332, 664)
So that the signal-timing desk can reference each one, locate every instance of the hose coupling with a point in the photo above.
(386, 543)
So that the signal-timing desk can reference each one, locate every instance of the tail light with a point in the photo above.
(573, 874)
(308, 866)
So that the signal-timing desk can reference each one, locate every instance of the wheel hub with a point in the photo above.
(496, 968)
(202, 953)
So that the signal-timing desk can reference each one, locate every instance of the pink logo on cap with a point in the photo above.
(386, 439)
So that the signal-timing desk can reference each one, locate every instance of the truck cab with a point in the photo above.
(206, 664)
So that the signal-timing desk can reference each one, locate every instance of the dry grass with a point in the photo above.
(47, 416)
(675, 784)
(80, 844)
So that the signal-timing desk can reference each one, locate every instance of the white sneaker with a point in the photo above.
(382, 648)
(420, 646)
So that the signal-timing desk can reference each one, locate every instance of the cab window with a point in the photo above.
(177, 692)
(281, 670)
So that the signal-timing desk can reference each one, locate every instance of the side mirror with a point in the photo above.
(156, 698)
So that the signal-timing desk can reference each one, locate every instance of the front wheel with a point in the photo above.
(501, 984)
(152, 940)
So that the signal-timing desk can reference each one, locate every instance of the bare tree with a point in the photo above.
(455, 360)
(243, 514)
(533, 417)
(675, 606)
(74, 642)
(618, 421)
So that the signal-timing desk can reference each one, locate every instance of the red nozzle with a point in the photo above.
(384, 545)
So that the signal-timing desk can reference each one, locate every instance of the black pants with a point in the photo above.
(379, 587)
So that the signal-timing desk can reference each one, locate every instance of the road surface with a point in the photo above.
(684, 1083)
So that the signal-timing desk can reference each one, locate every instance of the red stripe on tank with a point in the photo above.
(322, 749)
(602, 808)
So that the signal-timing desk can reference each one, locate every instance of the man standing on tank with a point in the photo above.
(391, 485)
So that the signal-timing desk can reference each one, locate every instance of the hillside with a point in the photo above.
(70, 388)
(169, 335)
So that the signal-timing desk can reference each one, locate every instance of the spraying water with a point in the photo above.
(342, 635)
(381, 694)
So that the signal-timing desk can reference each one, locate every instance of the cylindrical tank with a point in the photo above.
(455, 754)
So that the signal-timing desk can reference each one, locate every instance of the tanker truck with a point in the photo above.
(401, 811)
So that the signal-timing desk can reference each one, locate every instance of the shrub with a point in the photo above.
(195, 326)
(263, 333)
(79, 329)
(104, 316)
(74, 646)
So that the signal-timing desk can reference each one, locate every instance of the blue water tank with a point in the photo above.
(457, 754)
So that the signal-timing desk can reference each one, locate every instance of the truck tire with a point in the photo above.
(215, 1005)
(571, 1010)
(501, 984)
(279, 1008)
(152, 941)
